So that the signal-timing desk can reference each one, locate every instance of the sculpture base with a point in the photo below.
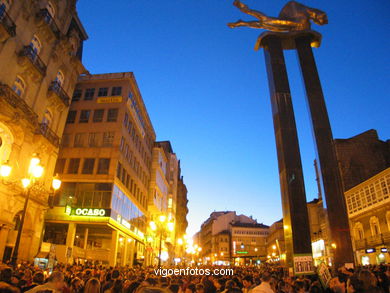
(288, 39)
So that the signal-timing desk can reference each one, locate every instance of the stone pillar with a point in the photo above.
(3, 240)
(295, 216)
(85, 238)
(125, 251)
(70, 241)
(330, 174)
(113, 248)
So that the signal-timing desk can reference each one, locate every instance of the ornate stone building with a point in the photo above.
(40, 59)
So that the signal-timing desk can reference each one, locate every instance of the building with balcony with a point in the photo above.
(368, 205)
(41, 46)
(100, 214)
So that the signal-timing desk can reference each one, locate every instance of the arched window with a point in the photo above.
(374, 224)
(35, 46)
(359, 232)
(47, 118)
(19, 86)
(59, 78)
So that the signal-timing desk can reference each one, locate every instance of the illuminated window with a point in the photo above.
(19, 86)
(108, 138)
(93, 139)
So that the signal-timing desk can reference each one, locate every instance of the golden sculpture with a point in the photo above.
(294, 16)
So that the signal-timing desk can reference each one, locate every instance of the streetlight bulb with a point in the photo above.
(153, 226)
(33, 162)
(180, 241)
(162, 218)
(25, 182)
(5, 170)
(37, 171)
(274, 246)
(171, 226)
(56, 183)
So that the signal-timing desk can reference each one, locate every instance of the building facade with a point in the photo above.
(40, 56)
(100, 214)
(368, 206)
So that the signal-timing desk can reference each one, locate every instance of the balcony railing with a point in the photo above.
(56, 88)
(29, 53)
(48, 19)
(8, 95)
(372, 241)
(44, 130)
(8, 23)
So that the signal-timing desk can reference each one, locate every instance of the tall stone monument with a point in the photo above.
(291, 31)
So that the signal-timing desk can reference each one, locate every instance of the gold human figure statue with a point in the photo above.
(294, 16)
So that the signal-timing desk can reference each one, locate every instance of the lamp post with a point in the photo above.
(35, 171)
(161, 226)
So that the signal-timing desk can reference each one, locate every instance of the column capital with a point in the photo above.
(288, 39)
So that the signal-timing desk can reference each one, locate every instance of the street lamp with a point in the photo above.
(35, 171)
(161, 228)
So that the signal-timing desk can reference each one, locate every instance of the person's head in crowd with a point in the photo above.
(57, 280)
(92, 286)
(38, 278)
(247, 281)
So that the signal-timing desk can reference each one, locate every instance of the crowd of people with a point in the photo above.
(259, 279)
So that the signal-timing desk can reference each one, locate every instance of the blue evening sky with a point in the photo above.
(206, 89)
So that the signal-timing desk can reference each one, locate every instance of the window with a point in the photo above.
(65, 142)
(112, 115)
(126, 119)
(76, 95)
(116, 91)
(35, 47)
(108, 138)
(103, 91)
(88, 165)
(60, 78)
(89, 94)
(79, 140)
(71, 117)
(119, 170)
(47, 119)
(103, 166)
(60, 166)
(84, 116)
(73, 167)
(98, 115)
(122, 144)
(374, 224)
(19, 86)
(93, 139)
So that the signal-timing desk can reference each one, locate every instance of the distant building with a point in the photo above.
(276, 251)
(226, 237)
